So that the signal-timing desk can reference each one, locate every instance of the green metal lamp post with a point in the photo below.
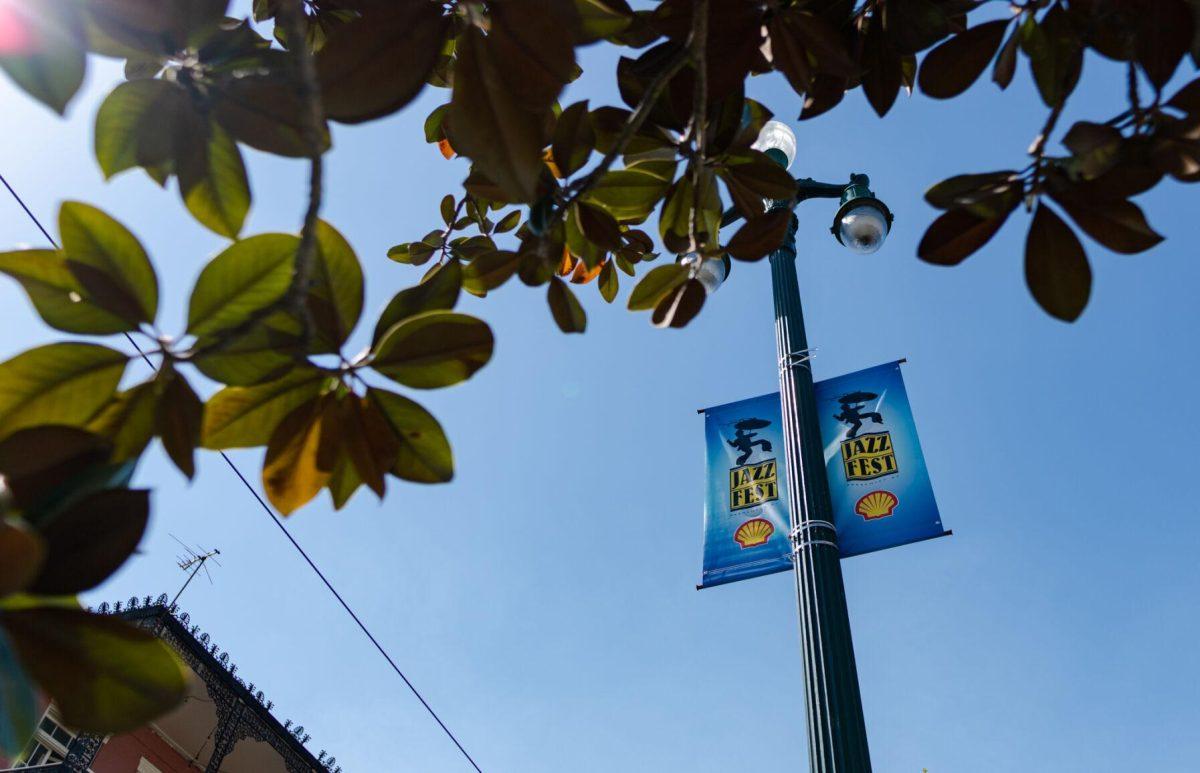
(837, 735)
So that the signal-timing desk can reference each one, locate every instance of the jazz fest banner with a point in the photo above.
(878, 482)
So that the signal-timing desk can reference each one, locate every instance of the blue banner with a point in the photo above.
(880, 487)
(878, 482)
(745, 510)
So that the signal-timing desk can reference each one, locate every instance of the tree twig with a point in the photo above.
(698, 44)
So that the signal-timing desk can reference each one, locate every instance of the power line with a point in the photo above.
(275, 520)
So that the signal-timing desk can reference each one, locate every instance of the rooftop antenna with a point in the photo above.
(194, 560)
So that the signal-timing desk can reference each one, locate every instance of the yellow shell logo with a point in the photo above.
(877, 504)
(753, 532)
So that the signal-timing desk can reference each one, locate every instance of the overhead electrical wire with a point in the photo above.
(278, 523)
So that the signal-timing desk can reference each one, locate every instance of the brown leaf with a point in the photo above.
(574, 139)
(760, 235)
(487, 123)
(953, 66)
(21, 554)
(1166, 30)
(956, 235)
(1117, 224)
(598, 226)
(369, 441)
(180, 417)
(1056, 267)
(1187, 99)
(681, 306)
(883, 71)
(36, 461)
(1006, 60)
(376, 64)
(90, 540)
(531, 44)
(302, 454)
(1095, 146)
(265, 112)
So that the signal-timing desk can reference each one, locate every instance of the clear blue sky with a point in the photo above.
(544, 600)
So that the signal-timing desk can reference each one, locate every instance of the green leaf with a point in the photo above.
(761, 235)
(509, 221)
(489, 271)
(105, 675)
(601, 18)
(629, 195)
(180, 417)
(433, 124)
(266, 351)
(609, 283)
(1056, 267)
(487, 123)
(146, 123)
(574, 139)
(565, 307)
(438, 291)
(424, 454)
(45, 54)
(248, 276)
(213, 183)
(93, 240)
(335, 299)
(302, 454)
(90, 540)
(64, 383)
(18, 704)
(244, 417)
(128, 421)
(378, 63)
(267, 113)
(343, 483)
(58, 295)
(953, 66)
(656, 285)
(434, 349)
(22, 555)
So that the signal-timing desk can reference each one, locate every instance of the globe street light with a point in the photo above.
(837, 735)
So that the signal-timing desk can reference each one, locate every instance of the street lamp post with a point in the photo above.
(837, 735)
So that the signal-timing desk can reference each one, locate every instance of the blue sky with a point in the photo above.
(544, 601)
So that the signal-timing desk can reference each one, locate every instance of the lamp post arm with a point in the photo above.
(806, 188)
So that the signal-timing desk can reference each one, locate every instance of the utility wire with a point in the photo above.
(271, 515)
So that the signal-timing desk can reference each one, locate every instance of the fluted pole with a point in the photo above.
(837, 735)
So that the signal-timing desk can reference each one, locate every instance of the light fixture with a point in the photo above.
(777, 140)
(863, 221)
(711, 272)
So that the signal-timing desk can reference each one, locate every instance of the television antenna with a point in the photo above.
(194, 559)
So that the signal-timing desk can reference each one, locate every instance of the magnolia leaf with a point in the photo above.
(761, 235)
(1006, 60)
(266, 112)
(63, 383)
(302, 454)
(434, 349)
(248, 276)
(1056, 267)
(1166, 31)
(244, 417)
(22, 553)
(438, 291)
(883, 68)
(369, 440)
(213, 183)
(656, 285)
(105, 675)
(956, 235)
(18, 703)
(343, 483)
(629, 195)
(1117, 224)
(146, 123)
(179, 420)
(609, 283)
(568, 313)
(335, 297)
(57, 294)
(96, 246)
(1055, 54)
(424, 454)
(44, 466)
(42, 50)
(128, 421)
(489, 271)
(376, 64)
(681, 306)
(602, 18)
(266, 351)
(487, 122)
(574, 139)
(953, 66)
(90, 540)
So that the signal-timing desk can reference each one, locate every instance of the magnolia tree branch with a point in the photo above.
(291, 16)
(699, 49)
(653, 92)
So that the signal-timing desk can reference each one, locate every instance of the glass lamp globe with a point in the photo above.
(862, 228)
(711, 272)
(776, 136)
